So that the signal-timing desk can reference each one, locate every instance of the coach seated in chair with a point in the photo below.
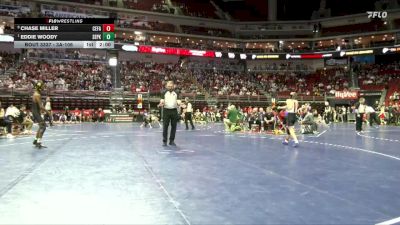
(25, 120)
(4, 122)
(19, 117)
(309, 126)
(254, 121)
(269, 120)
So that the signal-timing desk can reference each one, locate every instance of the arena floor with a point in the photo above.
(120, 174)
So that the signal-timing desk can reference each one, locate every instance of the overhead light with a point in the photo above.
(372, 36)
(138, 32)
(384, 50)
(6, 38)
(130, 48)
(113, 61)
(385, 22)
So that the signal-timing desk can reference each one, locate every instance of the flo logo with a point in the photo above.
(377, 14)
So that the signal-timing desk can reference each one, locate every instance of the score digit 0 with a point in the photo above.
(108, 36)
(108, 27)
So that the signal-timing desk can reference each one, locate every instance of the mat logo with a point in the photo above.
(377, 14)
(346, 94)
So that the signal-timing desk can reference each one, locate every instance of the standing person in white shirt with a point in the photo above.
(372, 116)
(360, 110)
(10, 116)
(49, 115)
(169, 102)
(188, 114)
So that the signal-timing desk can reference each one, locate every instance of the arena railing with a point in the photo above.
(302, 98)
(153, 97)
(55, 93)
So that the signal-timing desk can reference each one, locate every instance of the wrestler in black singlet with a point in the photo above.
(37, 107)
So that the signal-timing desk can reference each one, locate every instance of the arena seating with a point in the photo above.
(206, 31)
(396, 23)
(376, 77)
(147, 5)
(394, 87)
(60, 76)
(198, 8)
(354, 28)
(146, 25)
(7, 60)
(223, 80)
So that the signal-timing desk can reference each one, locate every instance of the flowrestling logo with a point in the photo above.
(377, 14)
(346, 94)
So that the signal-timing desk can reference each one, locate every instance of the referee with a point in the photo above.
(49, 115)
(169, 102)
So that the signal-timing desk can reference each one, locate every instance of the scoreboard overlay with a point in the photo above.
(97, 33)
